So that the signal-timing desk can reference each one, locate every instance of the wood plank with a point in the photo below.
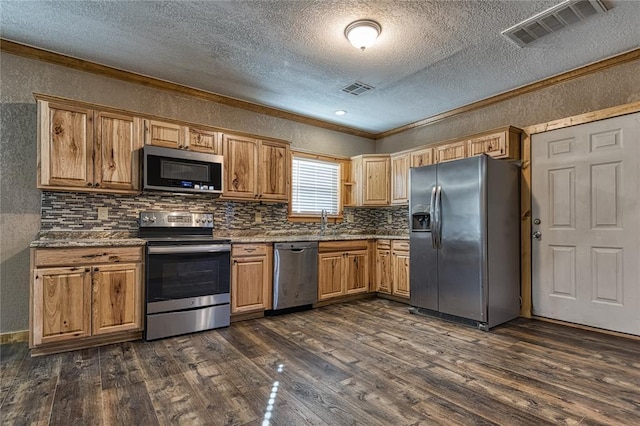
(78, 402)
(156, 360)
(119, 366)
(129, 404)
(12, 355)
(80, 366)
(172, 399)
(29, 401)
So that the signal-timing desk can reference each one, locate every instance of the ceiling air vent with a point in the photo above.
(357, 88)
(551, 20)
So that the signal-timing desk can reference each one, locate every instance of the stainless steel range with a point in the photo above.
(187, 274)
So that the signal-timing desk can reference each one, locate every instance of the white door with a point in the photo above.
(585, 185)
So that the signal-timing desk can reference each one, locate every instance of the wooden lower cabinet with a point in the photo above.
(80, 295)
(392, 267)
(400, 267)
(251, 277)
(383, 276)
(343, 268)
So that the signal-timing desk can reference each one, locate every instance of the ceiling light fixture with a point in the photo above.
(362, 33)
(341, 112)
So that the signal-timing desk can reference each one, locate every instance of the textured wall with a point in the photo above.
(20, 78)
(610, 87)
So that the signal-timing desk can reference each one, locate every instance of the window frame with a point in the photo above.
(313, 217)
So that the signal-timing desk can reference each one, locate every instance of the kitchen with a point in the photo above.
(26, 211)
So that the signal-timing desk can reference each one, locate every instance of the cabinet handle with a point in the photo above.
(96, 269)
(89, 184)
(97, 184)
(87, 269)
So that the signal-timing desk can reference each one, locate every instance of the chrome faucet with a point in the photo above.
(323, 221)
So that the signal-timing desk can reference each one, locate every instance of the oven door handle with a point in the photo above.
(208, 248)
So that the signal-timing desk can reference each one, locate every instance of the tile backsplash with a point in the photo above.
(62, 211)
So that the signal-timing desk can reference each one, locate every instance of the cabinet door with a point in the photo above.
(61, 304)
(330, 279)
(159, 133)
(422, 157)
(117, 298)
(401, 274)
(400, 179)
(383, 271)
(240, 167)
(376, 181)
(118, 138)
(494, 145)
(452, 151)
(66, 145)
(250, 279)
(357, 272)
(203, 140)
(274, 171)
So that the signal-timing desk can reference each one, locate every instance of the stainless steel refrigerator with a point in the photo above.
(465, 241)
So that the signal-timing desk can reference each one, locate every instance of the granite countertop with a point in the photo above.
(68, 239)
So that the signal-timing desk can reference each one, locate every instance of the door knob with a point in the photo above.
(537, 235)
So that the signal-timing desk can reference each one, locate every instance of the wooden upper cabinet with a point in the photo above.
(256, 169)
(503, 143)
(422, 157)
(240, 167)
(118, 139)
(451, 151)
(372, 176)
(203, 140)
(66, 145)
(274, 170)
(88, 150)
(400, 178)
(164, 134)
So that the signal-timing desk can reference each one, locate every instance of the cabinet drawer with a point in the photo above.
(250, 249)
(83, 256)
(331, 246)
(400, 245)
(383, 244)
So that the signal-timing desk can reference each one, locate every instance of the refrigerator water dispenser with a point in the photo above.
(421, 219)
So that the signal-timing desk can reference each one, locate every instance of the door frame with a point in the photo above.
(525, 187)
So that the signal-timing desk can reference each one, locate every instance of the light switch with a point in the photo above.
(103, 213)
(258, 217)
(389, 218)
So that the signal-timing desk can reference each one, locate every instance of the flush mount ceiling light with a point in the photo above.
(341, 112)
(362, 33)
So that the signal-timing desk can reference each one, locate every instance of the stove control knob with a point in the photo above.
(209, 220)
(153, 219)
(145, 219)
(204, 187)
(196, 186)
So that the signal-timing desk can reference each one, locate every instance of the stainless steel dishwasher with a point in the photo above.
(295, 274)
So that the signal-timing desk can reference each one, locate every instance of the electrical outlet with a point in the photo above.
(349, 217)
(389, 218)
(103, 213)
(258, 217)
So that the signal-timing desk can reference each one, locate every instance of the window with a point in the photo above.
(315, 185)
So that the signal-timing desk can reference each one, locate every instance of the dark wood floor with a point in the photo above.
(366, 362)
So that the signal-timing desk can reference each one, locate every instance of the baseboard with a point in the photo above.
(399, 299)
(14, 337)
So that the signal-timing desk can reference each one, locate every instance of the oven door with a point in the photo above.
(187, 276)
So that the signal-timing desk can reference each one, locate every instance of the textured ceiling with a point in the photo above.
(431, 57)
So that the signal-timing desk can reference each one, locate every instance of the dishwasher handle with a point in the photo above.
(297, 250)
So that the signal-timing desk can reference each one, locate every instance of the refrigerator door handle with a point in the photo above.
(438, 214)
(434, 227)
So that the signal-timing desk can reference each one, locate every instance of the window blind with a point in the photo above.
(315, 185)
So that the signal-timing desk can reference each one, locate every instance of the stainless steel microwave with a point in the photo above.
(174, 170)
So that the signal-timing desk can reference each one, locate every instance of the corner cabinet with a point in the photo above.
(251, 278)
(256, 169)
(82, 297)
(83, 149)
(371, 175)
(343, 268)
